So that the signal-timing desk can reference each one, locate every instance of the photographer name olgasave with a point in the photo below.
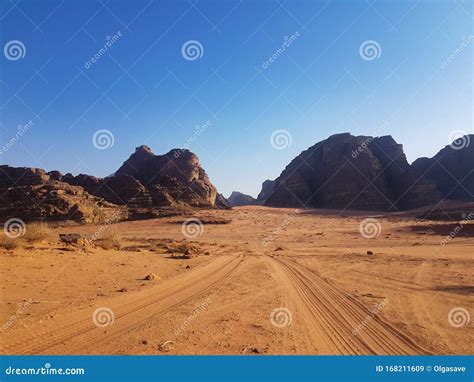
(420, 368)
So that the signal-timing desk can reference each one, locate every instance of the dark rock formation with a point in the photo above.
(175, 177)
(21, 176)
(46, 199)
(122, 189)
(344, 171)
(222, 202)
(149, 180)
(144, 181)
(451, 169)
(239, 199)
(267, 189)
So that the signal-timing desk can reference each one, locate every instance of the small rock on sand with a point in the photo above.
(250, 350)
(166, 346)
(151, 276)
(70, 238)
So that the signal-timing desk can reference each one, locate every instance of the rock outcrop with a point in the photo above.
(172, 178)
(451, 169)
(239, 199)
(21, 176)
(143, 181)
(266, 191)
(30, 194)
(221, 201)
(348, 172)
(147, 180)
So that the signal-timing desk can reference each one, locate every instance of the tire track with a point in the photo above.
(76, 333)
(333, 315)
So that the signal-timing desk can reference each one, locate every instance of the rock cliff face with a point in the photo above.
(239, 199)
(176, 177)
(351, 172)
(144, 180)
(452, 170)
(32, 194)
(266, 191)
(341, 172)
(149, 180)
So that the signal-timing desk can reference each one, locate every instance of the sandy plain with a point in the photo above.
(270, 281)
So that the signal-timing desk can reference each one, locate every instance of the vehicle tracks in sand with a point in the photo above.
(76, 332)
(337, 322)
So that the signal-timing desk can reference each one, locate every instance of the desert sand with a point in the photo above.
(270, 281)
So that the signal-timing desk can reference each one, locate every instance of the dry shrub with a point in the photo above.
(183, 247)
(8, 243)
(36, 232)
(110, 239)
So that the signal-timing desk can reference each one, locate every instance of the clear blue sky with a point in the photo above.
(144, 91)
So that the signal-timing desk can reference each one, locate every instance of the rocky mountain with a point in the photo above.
(341, 172)
(32, 194)
(239, 199)
(144, 180)
(451, 169)
(149, 180)
(351, 172)
(266, 191)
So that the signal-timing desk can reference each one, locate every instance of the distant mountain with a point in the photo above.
(369, 173)
(239, 199)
